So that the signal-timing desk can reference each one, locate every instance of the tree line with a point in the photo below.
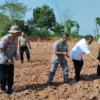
(42, 25)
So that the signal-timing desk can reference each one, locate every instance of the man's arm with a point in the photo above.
(86, 50)
(3, 43)
(99, 46)
(98, 43)
(67, 51)
(16, 55)
(18, 43)
(60, 53)
(67, 55)
(91, 56)
(28, 42)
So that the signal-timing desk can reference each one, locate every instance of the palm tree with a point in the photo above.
(70, 24)
(75, 24)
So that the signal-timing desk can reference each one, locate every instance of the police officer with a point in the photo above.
(60, 51)
(23, 44)
(8, 49)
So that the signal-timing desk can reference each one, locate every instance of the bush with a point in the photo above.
(44, 34)
(2, 34)
(39, 34)
(55, 35)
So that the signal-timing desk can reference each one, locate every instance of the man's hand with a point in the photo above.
(17, 58)
(30, 47)
(98, 62)
(68, 55)
(65, 53)
(9, 61)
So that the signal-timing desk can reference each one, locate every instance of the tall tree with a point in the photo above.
(98, 20)
(70, 24)
(97, 23)
(43, 17)
(4, 21)
(13, 9)
(58, 28)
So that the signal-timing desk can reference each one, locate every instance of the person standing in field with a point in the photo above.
(23, 43)
(76, 54)
(8, 49)
(60, 50)
(98, 68)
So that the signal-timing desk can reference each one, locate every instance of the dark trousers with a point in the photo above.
(98, 70)
(78, 66)
(22, 50)
(98, 67)
(6, 75)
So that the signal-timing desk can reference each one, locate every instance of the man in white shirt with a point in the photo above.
(76, 54)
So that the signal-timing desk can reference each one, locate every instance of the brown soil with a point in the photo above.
(30, 78)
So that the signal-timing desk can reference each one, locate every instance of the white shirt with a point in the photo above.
(23, 40)
(80, 48)
(98, 41)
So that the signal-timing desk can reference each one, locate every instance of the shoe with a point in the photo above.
(73, 81)
(66, 81)
(11, 92)
(70, 81)
(49, 83)
(30, 61)
(4, 91)
(98, 77)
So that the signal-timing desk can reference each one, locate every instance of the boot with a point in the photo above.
(10, 90)
(3, 90)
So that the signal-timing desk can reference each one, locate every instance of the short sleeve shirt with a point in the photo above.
(8, 47)
(80, 48)
(23, 41)
(61, 47)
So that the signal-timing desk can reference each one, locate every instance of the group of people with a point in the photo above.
(60, 52)
(10, 43)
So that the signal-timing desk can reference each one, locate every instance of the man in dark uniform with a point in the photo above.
(8, 49)
(23, 45)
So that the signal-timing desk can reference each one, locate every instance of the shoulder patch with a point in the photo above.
(5, 41)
